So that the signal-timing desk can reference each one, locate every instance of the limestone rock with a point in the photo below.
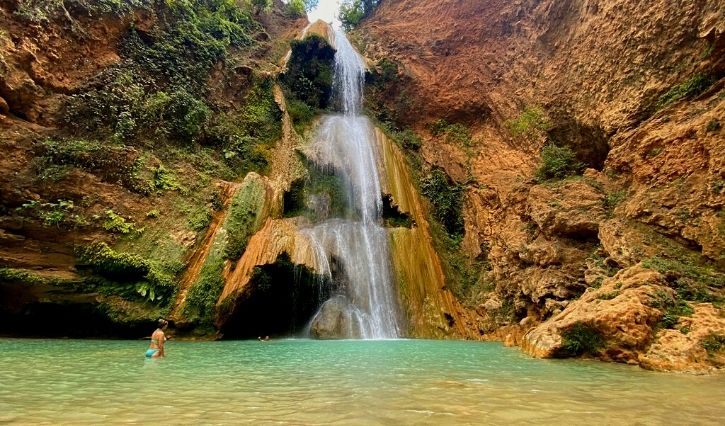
(675, 350)
(333, 320)
(620, 312)
(572, 209)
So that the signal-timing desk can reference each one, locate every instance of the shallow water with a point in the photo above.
(336, 382)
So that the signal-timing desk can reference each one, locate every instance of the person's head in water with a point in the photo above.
(163, 323)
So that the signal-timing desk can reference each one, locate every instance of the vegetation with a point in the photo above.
(673, 307)
(299, 7)
(127, 275)
(352, 12)
(62, 214)
(530, 122)
(693, 282)
(44, 11)
(557, 163)
(243, 218)
(308, 80)
(580, 339)
(688, 89)
(714, 342)
(452, 132)
(446, 197)
(117, 224)
(202, 296)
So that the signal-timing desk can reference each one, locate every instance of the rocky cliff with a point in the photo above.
(585, 140)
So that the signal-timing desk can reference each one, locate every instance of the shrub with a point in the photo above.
(530, 122)
(408, 139)
(557, 163)
(60, 214)
(580, 339)
(714, 342)
(446, 198)
(164, 180)
(452, 132)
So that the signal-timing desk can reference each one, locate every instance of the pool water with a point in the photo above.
(336, 382)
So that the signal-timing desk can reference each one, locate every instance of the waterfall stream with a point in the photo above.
(357, 244)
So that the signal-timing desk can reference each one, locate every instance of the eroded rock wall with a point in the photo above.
(635, 89)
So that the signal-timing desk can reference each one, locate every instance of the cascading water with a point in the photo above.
(344, 143)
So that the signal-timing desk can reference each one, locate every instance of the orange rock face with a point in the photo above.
(603, 75)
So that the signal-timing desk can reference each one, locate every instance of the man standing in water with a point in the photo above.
(158, 339)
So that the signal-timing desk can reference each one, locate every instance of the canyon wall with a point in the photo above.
(631, 240)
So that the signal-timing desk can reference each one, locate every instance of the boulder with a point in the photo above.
(334, 320)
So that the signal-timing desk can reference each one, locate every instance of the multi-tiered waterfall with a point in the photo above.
(366, 305)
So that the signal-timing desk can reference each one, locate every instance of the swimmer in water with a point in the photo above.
(158, 339)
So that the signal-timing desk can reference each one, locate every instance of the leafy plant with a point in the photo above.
(557, 163)
(452, 132)
(531, 121)
(580, 339)
(714, 342)
(352, 12)
(127, 274)
(117, 224)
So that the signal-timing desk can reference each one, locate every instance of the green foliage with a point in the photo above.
(408, 139)
(688, 89)
(310, 70)
(164, 180)
(60, 214)
(11, 275)
(117, 224)
(613, 199)
(530, 122)
(352, 12)
(300, 113)
(299, 7)
(178, 115)
(127, 275)
(713, 125)
(557, 163)
(580, 339)
(714, 342)
(45, 11)
(700, 283)
(153, 214)
(673, 307)
(446, 198)
(452, 132)
(260, 6)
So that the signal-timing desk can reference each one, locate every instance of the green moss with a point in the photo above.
(203, 294)
(22, 276)
(613, 199)
(690, 88)
(580, 339)
(117, 224)
(557, 163)
(244, 217)
(126, 275)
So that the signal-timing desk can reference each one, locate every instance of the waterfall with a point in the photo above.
(366, 306)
